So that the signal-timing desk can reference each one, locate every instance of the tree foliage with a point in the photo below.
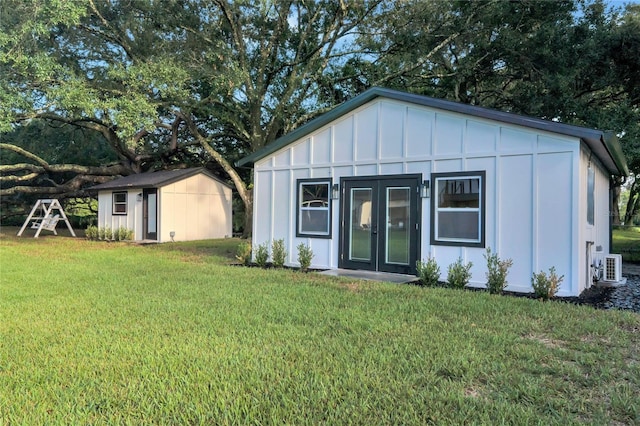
(182, 82)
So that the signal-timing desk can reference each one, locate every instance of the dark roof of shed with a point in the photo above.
(604, 144)
(153, 179)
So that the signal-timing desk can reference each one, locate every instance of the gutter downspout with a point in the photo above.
(589, 264)
(611, 189)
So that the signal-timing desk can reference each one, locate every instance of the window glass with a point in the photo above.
(591, 185)
(459, 193)
(314, 216)
(119, 203)
(458, 211)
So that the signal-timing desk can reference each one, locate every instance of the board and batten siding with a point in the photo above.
(195, 208)
(132, 220)
(532, 189)
(598, 232)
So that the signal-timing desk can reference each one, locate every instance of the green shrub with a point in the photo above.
(91, 233)
(305, 255)
(243, 253)
(123, 234)
(107, 234)
(497, 272)
(262, 254)
(458, 274)
(278, 253)
(546, 286)
(428, 272)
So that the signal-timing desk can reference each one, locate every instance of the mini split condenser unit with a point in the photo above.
(612, 268)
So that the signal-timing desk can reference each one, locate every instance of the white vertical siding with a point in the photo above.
(419, 132)
(392, 129)
(263, 206)
(366, 134)
(532, 198)
(516, 207)
(598, 232)
(106, 218)
(555, 216)
(321, 153)
(448, 134)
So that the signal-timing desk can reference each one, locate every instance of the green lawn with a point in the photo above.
(112, 333)
(626, 241)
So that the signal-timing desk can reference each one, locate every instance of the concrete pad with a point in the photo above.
(370, 275)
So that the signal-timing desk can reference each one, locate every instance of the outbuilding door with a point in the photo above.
(380, 223)
(150, 214)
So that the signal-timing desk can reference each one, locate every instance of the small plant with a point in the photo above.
(458, 274)
(108, 234)
(428, 272)
(91, 232)
(546, 286)
(262, 254)
(305, 254)
(126, 234)
(278, 253)
(497, 272)
(243, 253)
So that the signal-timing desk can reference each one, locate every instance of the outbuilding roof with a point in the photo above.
(153, 179)
(605, 145)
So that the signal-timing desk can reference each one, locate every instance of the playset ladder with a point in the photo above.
(47, 220)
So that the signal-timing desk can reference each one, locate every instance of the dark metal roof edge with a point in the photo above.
(311, 126)
(614, 149)
(169, 180)
(585, 133)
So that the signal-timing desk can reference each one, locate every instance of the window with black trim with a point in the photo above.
(591, 189)
(313, 208)
(119, 203)
(458, 209)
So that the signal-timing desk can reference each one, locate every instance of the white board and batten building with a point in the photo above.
(389, 178)
(170, 205)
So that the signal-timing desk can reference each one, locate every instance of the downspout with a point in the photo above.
(589, 264)
(611, 189)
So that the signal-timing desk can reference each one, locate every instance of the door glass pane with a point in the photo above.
(360, 240)
(151, 210)
(397, 235)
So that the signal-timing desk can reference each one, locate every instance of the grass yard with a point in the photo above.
(112, 333)
(626, 241)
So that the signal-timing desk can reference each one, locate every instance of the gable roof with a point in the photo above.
(153, 179)
(605, 145)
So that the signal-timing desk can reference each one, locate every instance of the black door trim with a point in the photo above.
(145, 214)
(378, 183)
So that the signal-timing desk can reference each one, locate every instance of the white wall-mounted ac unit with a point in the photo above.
(612, 268)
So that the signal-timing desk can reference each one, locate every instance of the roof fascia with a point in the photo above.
(604, 146)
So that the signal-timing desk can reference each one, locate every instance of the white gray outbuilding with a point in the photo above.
(170, 205)
(389, 178)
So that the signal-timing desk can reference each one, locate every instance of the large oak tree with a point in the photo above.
(183, 82)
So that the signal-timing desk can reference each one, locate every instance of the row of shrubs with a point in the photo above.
(278, 254)
(545, 286)
(107, 234)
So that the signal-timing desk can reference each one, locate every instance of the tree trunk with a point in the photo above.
(248, 215)
(633, 205)
(244, 193)
(615, 203)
